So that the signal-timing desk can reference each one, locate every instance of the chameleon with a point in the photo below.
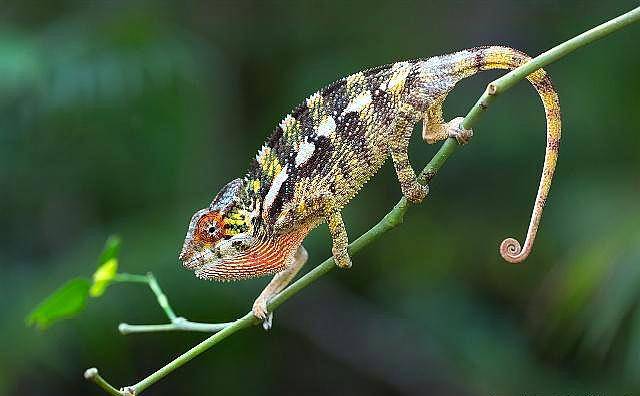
(323, 152)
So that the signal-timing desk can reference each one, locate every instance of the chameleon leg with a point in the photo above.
(434, 129)
(338, 235)
(398, 147)
(277, 284)
(323, 206)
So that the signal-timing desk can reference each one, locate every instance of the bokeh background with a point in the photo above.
(126, 117)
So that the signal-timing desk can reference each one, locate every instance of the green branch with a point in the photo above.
(92, 375)
(176, 322)
(396, 215)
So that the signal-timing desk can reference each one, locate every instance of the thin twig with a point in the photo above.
(93, 376)
(395, 216)
(151, 281)
(179, 324)
(161, 297)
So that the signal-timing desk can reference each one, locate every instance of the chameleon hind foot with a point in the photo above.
(341, 258)
(457, 131)
(415, 193)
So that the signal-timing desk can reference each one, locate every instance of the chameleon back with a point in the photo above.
(333, 142)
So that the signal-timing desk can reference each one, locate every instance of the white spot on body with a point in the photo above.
(400, 72)
(326, 127)
(304, 153)
(359, 102)
(431, 63)
(434, 64)
(276, 185)
(460, 56)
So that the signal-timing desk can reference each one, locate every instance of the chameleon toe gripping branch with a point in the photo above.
(323, 152)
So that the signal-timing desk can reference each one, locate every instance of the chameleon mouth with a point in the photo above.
(193, 263)
(195, 260)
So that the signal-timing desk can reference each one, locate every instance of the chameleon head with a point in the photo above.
(221, 243)
(218, 232)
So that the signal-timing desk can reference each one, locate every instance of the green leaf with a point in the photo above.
(65, 302)
(102, 277)
(111, 249)
(107, 266)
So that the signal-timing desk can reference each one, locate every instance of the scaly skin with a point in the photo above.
(323, 152)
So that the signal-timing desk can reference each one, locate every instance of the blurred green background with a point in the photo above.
(126, 117)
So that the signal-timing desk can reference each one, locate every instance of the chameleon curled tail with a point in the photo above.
(494, 57)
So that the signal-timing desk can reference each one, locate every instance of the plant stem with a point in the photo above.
(93, 376)
(246, 321)
(150, 280)
(161, 297)
(131, 278)
(178, 324)
(395, 216)
(559, 51)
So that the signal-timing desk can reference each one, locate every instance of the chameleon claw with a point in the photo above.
(267, 323)
(259, 308)
(457, 131)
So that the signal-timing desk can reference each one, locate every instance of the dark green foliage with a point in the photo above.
(127, 117)
(589, 304)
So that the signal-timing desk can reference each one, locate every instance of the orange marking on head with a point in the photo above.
(210, 228)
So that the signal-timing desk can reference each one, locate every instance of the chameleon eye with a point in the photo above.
(209, 227)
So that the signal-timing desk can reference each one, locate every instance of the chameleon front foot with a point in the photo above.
(259, 310)
(341, 258)
(457, 131)
(338, 235)
(277, 284)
